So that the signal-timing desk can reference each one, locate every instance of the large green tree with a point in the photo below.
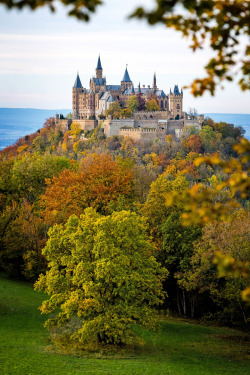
(231, 240)
(133, 103)
(102, 273)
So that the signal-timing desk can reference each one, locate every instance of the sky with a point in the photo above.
(41, 52)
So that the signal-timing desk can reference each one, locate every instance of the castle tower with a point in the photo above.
(126, 82)
(98, 70)
(91, 103)
(176, 103)
(76, 91)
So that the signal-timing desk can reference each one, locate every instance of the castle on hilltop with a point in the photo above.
(92, 102)
(89, 108)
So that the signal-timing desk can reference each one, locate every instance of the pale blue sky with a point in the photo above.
(41, 52)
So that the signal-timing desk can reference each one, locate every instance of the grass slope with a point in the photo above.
(178, 348)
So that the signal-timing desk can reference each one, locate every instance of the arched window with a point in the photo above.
(144, 117)
(178, 106)
(161, 103)
(151, 116)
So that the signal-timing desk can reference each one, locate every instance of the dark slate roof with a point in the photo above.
(106, 96)
(126, 77)
(99, 65)
(99, 81)
(113, 87)
(144, 90)
(176, 90)
(78, 83)
(110, 99)
(160, 93)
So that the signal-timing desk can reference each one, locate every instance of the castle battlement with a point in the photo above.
(142, 130)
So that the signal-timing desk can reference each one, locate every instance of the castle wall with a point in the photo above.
(194, 122)
(143, 134)
(146, 123)
(63, 124)
(154, 115)
(112, 127)
(86, 124)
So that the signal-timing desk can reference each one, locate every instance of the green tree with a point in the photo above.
(175, 254)
(155, 209)
(22, 236)
(29, 174)
(132, 103)
(126, 112)
(210, 139)
(231, 239)
(114, 110)
(102, 273)
(39, 144)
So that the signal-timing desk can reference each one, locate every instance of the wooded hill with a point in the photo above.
(125, 251)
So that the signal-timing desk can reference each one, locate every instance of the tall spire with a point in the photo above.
(126, 77)
(78, 83)
(99, 65)
(133, 90)
(154, 82)
(139, 87)
(98, 71)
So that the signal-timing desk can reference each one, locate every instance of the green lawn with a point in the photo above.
(178, 348)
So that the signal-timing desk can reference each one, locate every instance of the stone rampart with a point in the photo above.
(194, 122)
(112, 127)
(63, 124)
(85, 124)
(153, 115)
(143, 134)
(175, 124)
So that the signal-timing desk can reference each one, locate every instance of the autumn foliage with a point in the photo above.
(99, 181)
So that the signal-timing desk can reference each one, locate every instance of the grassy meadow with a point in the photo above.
(178, 348)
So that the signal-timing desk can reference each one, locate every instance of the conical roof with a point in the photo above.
(176, 90)
(78, 83)
(99, 65)
(126, 77)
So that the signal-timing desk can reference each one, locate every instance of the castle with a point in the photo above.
(92, 102)
(89, 105)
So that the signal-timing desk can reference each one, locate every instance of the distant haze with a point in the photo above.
(18, 122)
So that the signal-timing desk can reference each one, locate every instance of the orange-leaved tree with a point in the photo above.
(99, 181)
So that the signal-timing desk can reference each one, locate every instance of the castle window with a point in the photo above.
(165, 104)
(161, 103)
(178, 106)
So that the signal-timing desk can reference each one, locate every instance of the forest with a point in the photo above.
(116, 232)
